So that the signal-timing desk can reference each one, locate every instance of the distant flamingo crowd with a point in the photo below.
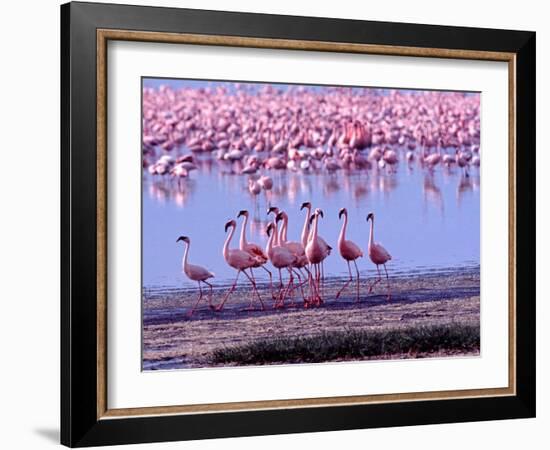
(253, 129)
(301, 260)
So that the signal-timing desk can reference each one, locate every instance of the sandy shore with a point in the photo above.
(172, 340)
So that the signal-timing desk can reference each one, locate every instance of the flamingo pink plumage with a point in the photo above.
(281, 258)
(195, 273)
(296, 248)
(315, 253)
(378, 255)
(350, 251)
(239, 260)
(253, 249)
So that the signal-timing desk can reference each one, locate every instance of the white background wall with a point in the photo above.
(29, 224)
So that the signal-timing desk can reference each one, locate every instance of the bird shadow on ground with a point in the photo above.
(49, 434)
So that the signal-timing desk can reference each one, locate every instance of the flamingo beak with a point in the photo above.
(305, 205)
(342, 211)
(321, 213)
(369, 217)
(268, 230)
(227, 225)
(181, 238)
(272, 209)
(279, 217)
(243, 212)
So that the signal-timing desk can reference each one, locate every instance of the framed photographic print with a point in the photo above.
(277, 224)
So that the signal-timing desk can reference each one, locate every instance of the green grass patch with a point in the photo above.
(352, 344)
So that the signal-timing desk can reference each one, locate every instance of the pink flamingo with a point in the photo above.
(195, 273)
(378, 255)
(266, 183)
(296, 248)
(462, 162)
(281, 258)
(390, 157)
(306, 235)
(350, 251)
(253, 187)
(253, 249)
(239, 260)
(315, 253)
(276, 235)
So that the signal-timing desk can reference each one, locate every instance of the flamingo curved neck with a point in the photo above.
(371, 235)
(243, 232)
(305, 228)
(227, 242)
(184, 260)
(275, 234)
(269, 246)
(284, 229)
(342, 236)
(314, 233)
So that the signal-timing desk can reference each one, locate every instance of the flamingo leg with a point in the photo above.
(280, 289)
(318, 273)
(220, 306)
(309, 292)
(357, 272)
(210, 297)
(270, 281)
(377, 281)
(250, 307)
(305, 276)
(255, 289)
(190, 313)
(300, 282)
(287, 289)
(293, 271)
(322, 275)
(312, 290)
(290, 287)
(347, 282)
(388, 282)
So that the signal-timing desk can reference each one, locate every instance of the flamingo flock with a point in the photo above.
(259, 132)
(300, 261)
(252, 130)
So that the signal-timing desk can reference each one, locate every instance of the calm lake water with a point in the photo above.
(426, 221)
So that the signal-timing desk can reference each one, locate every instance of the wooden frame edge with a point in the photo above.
(103, 35)
(289, 44)
(101, 225)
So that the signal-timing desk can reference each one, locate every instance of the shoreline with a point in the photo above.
(172, 340)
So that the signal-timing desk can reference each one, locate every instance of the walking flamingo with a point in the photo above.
(315, 253)
(306, 235)
(253, 249)
(296, 248)
(350, 251)
(195, 273)
(378, 255)
(281, 258)
(239, 260)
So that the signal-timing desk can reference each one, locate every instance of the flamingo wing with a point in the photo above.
(352, 250)
(198, 273)
(381, 252)
(326, 248)
(257, 252)
(295, 247)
